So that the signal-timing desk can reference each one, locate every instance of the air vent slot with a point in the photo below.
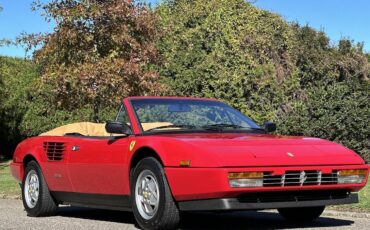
(54, 150)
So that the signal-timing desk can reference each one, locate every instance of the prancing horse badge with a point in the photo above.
(132, 145)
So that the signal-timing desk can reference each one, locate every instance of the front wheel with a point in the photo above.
(152, 201)
(305, 214)
(35, 193)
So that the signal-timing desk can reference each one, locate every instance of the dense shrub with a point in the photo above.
(269, 69)
(335, 83)
(16, 77)
(229, 50)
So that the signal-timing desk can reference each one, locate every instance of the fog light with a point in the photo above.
(245, 179)
(352, 176)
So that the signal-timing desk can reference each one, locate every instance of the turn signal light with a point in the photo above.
(349, 172)
(245, 175)
(185, 163)
(352, 176)
(245, 179)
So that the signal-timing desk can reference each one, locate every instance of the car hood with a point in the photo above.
(240, 150)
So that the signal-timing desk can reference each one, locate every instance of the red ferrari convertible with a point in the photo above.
(162, 156)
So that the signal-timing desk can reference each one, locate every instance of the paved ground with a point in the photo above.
(12, 216)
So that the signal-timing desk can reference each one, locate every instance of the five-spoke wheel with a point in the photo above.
(152, 202)
(147, 194)
(31, 190)
(35, 193)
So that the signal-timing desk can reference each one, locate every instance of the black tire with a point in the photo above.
(305, 214)
(167, 215)
(45, 205)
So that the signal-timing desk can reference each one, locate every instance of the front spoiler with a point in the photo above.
(239, 204)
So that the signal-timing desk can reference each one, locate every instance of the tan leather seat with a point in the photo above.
(83, 128)
(94, 129)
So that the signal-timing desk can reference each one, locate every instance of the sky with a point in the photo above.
(338, 18)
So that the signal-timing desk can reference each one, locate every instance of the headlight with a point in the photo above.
(245, 179)
(352, 176)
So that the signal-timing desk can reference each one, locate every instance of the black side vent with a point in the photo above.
(54, 150)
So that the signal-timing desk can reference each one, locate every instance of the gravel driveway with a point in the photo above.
(12, 216)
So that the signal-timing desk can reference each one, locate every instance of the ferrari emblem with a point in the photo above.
(132, 145)
(290, 154)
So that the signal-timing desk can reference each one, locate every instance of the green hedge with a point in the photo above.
(16, 83)
(268, 68)
(230, 50)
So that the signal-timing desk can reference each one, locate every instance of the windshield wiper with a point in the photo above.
(222, 126)
(173, 126)
(261, 129)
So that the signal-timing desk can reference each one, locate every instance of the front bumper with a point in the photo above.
(271, 201)
(188, 184)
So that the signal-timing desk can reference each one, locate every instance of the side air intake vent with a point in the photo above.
(54, 150)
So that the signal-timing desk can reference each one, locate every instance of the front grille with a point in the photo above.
(267, 197)
(300, 178)
(54, 150)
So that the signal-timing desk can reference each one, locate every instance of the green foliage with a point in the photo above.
(16, 77)
(99, 52)
(335, 86)
(269, 69)
(250, 58)
(229, 50)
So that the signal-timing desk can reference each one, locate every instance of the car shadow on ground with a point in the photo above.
(96, 214)
(206, 220)
(253, 220)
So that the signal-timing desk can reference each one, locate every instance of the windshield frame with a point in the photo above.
(257, 129)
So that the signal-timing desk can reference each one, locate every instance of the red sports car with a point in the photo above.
(165, 155)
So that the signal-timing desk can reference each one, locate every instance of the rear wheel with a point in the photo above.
(301, 214)
(35, 193)
(152, 202)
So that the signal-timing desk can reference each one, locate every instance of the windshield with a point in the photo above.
(158, 115)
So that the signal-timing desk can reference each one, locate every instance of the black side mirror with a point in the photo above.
(117, 127)
(269, 126)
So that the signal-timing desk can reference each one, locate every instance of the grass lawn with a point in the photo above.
(9, 188)
(363, 206)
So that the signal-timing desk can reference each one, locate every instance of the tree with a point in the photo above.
(99, 52)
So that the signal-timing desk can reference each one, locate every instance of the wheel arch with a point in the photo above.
(28, 158)
(141, 153)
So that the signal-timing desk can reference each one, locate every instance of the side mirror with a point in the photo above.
(269, 126)
(117, 127)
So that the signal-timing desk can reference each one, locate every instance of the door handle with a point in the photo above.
(75, 148)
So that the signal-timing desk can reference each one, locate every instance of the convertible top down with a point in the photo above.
(164, 155)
